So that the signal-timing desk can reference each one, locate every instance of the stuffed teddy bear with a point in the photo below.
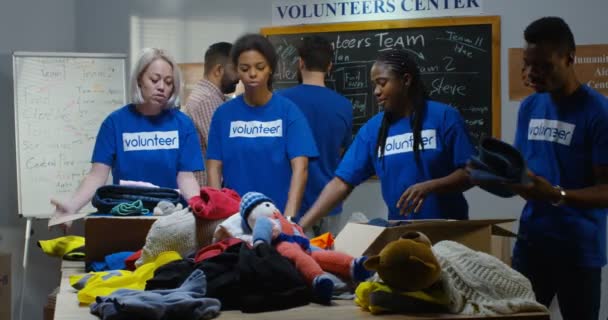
(447, 277)
(409, 275)
(265, 221)
(411, 255)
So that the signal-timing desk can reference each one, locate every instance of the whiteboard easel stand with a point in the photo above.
(28, 231)
(20, 59)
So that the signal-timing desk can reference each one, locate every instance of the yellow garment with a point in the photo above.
(434, 295)
(59, 247)
(324, 241)
(106, 282)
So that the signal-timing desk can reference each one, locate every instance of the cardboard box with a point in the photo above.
(490, 236)
(107, 235)
(5, 286)
(48, 312)
(110, 234)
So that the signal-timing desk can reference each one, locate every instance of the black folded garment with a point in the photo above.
(107, 197)
(497, 164)
(254, 279)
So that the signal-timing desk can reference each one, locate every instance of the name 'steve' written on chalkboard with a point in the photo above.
(458, 59)
(60, 103)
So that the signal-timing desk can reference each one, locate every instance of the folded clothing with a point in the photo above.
(135, 208)
(107, 197)
(114, 261)
(498, 163)
(213, 204)
(67, 247)
(215, 249)
(175, 232)
(188, 302)
(480, 284)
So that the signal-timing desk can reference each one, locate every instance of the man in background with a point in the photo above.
(220, 78)
(562, 132)
(329, 115)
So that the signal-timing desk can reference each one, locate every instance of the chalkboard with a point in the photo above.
(60, 100)
(458, 59)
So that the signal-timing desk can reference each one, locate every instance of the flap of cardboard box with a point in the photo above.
(355, 238)
(107, 235)
(361, 239)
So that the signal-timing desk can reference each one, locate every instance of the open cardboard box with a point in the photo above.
(111, 234)
(105, 235)
(489, 236)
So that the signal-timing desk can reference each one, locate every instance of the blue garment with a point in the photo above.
(447, 147)
(187, 302)
(148, 148)
(562, 143)
(114, 261)
(109, 196)
(330, 117)
(497, 164)
(256, 145)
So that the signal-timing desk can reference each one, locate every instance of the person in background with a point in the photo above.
(330, 117)
(209, 93)
(417, 147)
(260, 141)
(147, 140)
(562, 132)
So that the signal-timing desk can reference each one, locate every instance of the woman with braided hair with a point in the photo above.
(416, 147)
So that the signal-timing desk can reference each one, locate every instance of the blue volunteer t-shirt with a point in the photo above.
(148, 148)
(562, 143)
(447, 147)
(256, 145)
(330, 117)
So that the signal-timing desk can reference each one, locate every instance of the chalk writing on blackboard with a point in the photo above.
(455, 63)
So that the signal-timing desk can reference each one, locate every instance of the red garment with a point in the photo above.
(214, 204)
(130, 261)
(215, 249)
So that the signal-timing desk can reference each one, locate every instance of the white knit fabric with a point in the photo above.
(165, 208)
(175, 232)
(480, 284)
(232, 227)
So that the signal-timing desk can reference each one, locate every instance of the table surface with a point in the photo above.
(67, 307)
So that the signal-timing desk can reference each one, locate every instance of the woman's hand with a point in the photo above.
(413, 198)
(63, 208)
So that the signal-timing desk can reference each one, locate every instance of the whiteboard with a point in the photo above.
(60, 101)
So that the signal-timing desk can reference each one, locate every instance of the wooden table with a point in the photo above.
(67, 308)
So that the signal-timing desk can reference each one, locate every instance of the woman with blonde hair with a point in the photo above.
(147, 140)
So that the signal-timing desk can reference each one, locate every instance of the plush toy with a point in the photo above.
(407, 264)
(447, 277)
(408, 275)
(265, 221)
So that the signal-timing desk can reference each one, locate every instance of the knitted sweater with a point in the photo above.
(179, 231)
(480, 284)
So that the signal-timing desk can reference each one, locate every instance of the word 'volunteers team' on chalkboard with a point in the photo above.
(459, 61)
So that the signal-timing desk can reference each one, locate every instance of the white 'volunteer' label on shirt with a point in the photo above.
(152, 140)
(551, 130)
(256, 129)
(404, 143)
